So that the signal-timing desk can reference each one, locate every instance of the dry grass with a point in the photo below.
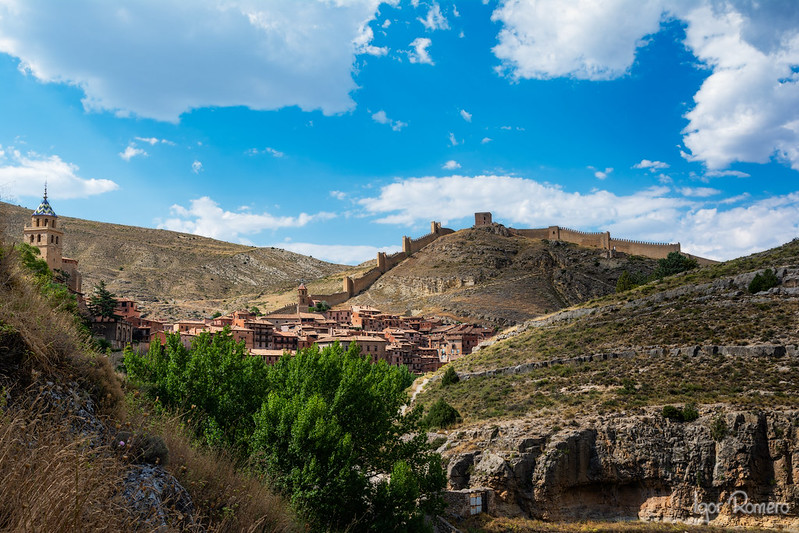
(54, 480)
(226, 498)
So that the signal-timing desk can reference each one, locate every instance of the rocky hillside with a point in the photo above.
(177, 275)
(628, 406)
(487, 275)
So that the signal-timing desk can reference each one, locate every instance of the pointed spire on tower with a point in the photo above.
(45, 190)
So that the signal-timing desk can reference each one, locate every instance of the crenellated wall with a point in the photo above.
(332, 299)
(646, 249)
(582, 238)
(532, 233)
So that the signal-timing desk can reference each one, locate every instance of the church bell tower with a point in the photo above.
(44, 233)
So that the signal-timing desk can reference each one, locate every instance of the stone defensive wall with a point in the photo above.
(647, 249)
(604, 241)
(385, 262)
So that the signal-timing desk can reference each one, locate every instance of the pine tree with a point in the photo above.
(103, 302)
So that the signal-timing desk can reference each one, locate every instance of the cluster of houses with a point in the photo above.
(422, 344)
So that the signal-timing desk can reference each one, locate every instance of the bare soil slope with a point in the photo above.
(489, 276)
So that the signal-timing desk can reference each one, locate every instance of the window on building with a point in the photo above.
(45, 222)
(39, 237)
(37, 222)
(31, 239)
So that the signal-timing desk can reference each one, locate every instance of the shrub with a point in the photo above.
(674, 263)
(690, 413)
(763, 281)
(450, 377)
(441, 415)
(672, 413)
(718, 428)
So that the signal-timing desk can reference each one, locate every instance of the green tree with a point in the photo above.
(625, 282)
(215, 380)
(674, 263)
(441, 415)
(763, 281)
(255, 311)
(320, 307)
(332, 437)
(30, 257)
(102, 302)
(450, 377)
(51, 285)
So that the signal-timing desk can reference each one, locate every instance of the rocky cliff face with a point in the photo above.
(637, 467)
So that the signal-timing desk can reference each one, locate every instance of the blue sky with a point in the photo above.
(332, 128)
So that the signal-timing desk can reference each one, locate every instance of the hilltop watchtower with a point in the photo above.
(45, 234)
(482, 219)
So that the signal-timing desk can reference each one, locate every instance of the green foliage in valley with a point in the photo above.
(441, 415)
(324, 425)
(102, 302)
(50, 284)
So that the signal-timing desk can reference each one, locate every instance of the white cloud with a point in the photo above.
(24, 175)
(652, 214)
(466, 115)
(131, 151)
(486, 140)
(338, 253)
(161, 59)
(451, 165)
(452, 140)
(338, 195)
(419, 54)
(653, 166)
(386, 23)
(699, 192)
(585, 40)
(435, 20)
(267, 150)
(152, 141)
(381, 118)
(601, 174)
(363, 43)
(721, 173)
(196, 167)
(747, 109)
(205, 217)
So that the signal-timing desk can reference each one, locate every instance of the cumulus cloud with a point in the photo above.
(747, 109)
(24, 175)
(451, 165)
(466, 115)
(338, 195)
(205, 217)
(601, 174)
(712, 230)
(419, 54)
(338, 253)
(131, 151)
(585, 40)
(196, 167)
(453, 141)
(435, 20)
(486, 140)
(652, 166)
(363, 43)
(381, 118)
(159, 59)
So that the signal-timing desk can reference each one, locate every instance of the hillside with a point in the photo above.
(563, 416)
(486, 275)
(177, 275)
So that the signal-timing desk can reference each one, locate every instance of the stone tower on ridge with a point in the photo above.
(45, 234)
